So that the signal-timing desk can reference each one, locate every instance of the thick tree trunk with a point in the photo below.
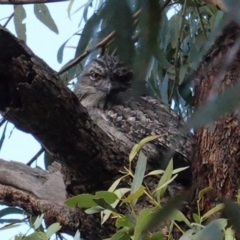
(217, 153)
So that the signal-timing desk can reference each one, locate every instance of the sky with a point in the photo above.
(19, 146)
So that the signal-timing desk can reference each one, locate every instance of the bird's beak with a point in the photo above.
(106, 87)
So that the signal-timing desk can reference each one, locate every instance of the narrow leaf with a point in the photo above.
(212, 211)
(38, 221)
(165, 178)
(52, 229)
(42, 13)
(137, 147)
(83, 201)
(134, 196)
(139, 172)
(109, 197)
(19, 16)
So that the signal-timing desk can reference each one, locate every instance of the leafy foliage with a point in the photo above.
(157, 220)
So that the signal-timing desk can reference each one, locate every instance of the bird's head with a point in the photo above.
(103, 77)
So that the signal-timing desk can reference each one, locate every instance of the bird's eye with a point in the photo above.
(94, 76)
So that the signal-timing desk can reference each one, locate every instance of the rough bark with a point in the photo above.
(216, 158)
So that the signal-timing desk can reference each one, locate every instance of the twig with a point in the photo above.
(200, 18)
(176, 67)
(20, 2)
(165, 5)
(101, 44)
(9, 18)
(3, 120)
(36, 156)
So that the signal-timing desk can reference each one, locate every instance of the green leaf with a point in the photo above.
(85, 11)
(42, 13)
(196, 218)
(18, 237)
(179, 216)
(77, 235)
(10, 210)
(60, 50)
(102, 203)
(19, 16)
(152, 221)
(109, 197)
(177, 170)
(144, 217)
(166, 183)
(88, 31)
(52, 229)
(182, 72)
(121, 192)
(10, 220)
(232, 212)
(126, 221)
(165, 178)
(203, 192)
(155, 172)
(82, 201)
(139, 174)
(115, 184)
(70, 8)
(229, 234)
(36, 236)
(212, 231)
(160, 56)
(212, 211)
(187, 235)
(156, 236)
(9, 226)
(134, 196)
(137, 147)
(38, 221)
(122, 234)
(93, 210)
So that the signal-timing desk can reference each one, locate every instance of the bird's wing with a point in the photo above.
(147, 116)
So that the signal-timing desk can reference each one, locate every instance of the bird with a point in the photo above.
(104, 88)
(101, 82)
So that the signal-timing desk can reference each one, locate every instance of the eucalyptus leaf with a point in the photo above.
(42, 13)
(19, 16)
(52, 229)
(165, 178)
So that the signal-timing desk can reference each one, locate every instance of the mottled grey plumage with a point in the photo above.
(105, 85)
(103, 77)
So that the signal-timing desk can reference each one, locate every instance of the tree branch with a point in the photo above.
(19, 2)
(38, 191)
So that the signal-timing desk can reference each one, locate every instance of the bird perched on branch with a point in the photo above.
(105, 85)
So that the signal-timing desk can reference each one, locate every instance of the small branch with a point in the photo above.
(201, 21)
(176, 67)
(165, 5)
(101, 44)
(3, 120)
(19, 2)
(9, 18)
(35, 156)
